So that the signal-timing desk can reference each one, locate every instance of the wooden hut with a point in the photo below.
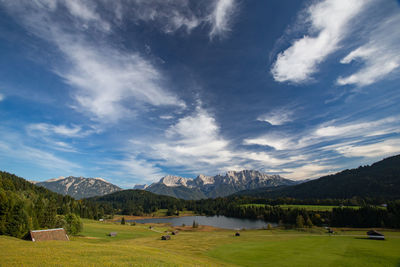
(112, 234)
(237, 234)
(166, 237)
(174, 232)
(375, 235)
(49, 234)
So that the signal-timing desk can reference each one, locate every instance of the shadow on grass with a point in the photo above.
(367, 238)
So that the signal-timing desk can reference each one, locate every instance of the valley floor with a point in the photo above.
(141, 246)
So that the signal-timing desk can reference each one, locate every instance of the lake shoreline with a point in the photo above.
(132, 218)
(221, 222)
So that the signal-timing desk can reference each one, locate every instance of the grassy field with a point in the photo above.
(307, 207)
(315, 207)
(140, 246)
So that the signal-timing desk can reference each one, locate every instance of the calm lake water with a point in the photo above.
(216, 221)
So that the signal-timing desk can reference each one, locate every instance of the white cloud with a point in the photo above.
(108, 83)
(278, 117)
(321, 136)
(194, 141)
(23, 154)
(277, 141)
(221, 17)
(166, 117)
(1, 97)
(329, 21)
(62, 130)
(81, 12)
(171, 16)
(106, 79)
(139, 169)
(380, 55)
(370, 128)
(309, 171)
(380, 149)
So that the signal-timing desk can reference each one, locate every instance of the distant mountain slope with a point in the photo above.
(79, 187)
(381, 179)
(216, 186)
(178, 191)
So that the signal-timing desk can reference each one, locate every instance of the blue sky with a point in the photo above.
(132, 90)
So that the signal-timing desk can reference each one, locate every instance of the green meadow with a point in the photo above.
(306, 207)
(141, 246)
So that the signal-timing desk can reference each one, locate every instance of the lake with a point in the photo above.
(215, 221)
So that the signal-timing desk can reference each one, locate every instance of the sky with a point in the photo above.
(133, 90)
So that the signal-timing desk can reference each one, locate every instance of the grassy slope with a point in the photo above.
(139, 246)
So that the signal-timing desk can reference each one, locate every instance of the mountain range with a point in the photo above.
(216, 186)
(79, 187)
(381, 179)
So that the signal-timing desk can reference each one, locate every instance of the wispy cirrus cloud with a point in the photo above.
(328, 23)
(13, 147)
(380, 55)
(382, 148)
(309, 171)
(331, 131)
(50, 129)
(171, 16)
(221, 17)
(108, 83)
(279, 116)
(140, 169)
(106, 79)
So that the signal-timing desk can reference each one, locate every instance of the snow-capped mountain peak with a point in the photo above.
(218, 185)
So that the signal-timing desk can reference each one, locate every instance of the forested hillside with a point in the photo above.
(136, 202)
(25, 206)
(381, 180)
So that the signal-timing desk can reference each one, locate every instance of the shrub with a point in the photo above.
(73, 224)
(299, 221)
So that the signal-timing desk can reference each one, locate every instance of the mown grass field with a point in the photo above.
(140, 246)
(307, 207)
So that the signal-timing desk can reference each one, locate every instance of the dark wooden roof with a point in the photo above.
(49, 234)
(374, 233)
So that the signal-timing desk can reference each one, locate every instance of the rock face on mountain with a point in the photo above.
(79, 187)
(216, 186)
(140, 186)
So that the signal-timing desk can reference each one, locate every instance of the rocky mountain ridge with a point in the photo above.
(216, 186)
(79, 187)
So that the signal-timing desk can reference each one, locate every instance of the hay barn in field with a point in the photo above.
(375, 235)
(49, 234)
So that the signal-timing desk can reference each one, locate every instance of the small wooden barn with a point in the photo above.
(375, 235)
(112, 234)
(237, 234)
(166, 237)
(49, 234)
